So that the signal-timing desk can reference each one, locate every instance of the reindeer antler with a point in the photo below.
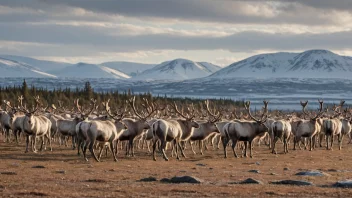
(79, 107)
(304, 104)
(216, 117)
(149, 107)
(247, 107)
(174, 106)
(117, 116)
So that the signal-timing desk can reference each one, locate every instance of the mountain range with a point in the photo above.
(308, 64)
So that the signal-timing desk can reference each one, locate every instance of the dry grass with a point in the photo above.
(67, 175)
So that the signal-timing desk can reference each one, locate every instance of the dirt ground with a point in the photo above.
(67, 175)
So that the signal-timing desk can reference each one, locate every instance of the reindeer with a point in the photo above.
(173, 130)
(333, 126)
(136, 127)
(308, 128)
(6, 120)
(281, 129)
(205, 129)
(103, 131)
(246, 131)
(36, 126)
(15, 119)
(68, 127)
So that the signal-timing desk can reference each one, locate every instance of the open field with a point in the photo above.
(67, 175)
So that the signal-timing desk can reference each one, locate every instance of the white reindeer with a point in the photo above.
(173, 130)
(246, 131)
(308, 128)
(104, 132)
(281, 129)
(36, 126)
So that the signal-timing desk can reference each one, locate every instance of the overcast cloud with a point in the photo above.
(218, 31)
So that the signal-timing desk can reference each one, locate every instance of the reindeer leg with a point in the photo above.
(132, 147)
(245, 148)
(127, 150)
(218, 143)
(294, 143)
(116, 147)
(100, 151)
(27, 143)
(225, 141)
(327, 142)
(340, 138)
(49, 140)
(154, 147)
(273, 146)
(15, 133)
(144, 141)
(84, 150)
(163, 147)
(285, 145)
(201, 147)
(91, 149)
(7, 135)
(148, 145)
(250, 149)
(234, 142)
(191, 145)
(321, 140)
(34, 144)
(112, 151)
(332, 141)
(176, 148)
(182, 153)
(73, 142)
(79, 142)
(42, 144)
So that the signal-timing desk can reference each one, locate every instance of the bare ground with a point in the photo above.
(67, 175)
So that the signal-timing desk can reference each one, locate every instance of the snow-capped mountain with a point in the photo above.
(308, 64)
(85, 70)
(10, 68)
(129, 68)
(42, 65)
(178, 69)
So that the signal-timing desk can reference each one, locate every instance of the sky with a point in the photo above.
(153, 31)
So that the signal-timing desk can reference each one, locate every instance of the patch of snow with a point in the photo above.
(178, 69)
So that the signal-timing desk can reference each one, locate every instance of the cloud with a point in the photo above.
(140, 29)
(86, 39)
(224, 11)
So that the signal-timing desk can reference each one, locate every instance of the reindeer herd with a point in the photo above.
(169, 126)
